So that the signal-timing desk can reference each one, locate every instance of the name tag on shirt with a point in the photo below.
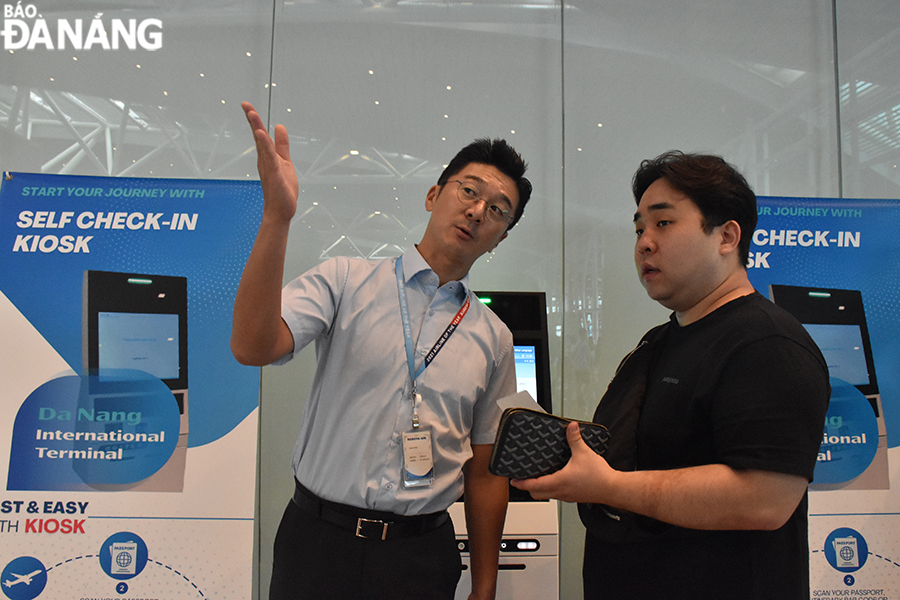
(418, 461)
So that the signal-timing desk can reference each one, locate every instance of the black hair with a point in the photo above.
(499, 154)
(717, 188)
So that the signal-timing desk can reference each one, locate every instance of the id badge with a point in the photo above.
(418, 462)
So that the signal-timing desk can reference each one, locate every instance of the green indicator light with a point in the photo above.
(485, 300)
(137, 281)
(820, 294)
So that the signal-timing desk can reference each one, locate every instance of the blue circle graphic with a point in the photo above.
(846, 550)
(115, 427)
(123, 555)
(851, 435)
(24, 578)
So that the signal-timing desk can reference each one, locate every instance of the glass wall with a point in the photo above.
(869, 96)
(378, 96)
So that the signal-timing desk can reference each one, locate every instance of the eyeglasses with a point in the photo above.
(469, 195)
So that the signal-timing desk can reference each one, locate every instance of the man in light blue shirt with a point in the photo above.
(402, 412)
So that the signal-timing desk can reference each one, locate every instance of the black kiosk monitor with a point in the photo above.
(525, 313)
(133, 319)
(836, 321)
(529, 550)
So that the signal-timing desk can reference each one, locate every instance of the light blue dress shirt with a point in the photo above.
(350, 447)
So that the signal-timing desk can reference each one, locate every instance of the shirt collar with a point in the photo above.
(414, 263)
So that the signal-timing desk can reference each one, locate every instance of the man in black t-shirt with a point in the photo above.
(716, 417)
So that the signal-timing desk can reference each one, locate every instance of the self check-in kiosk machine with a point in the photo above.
(529, 551)
(138, 322)
(836, 321)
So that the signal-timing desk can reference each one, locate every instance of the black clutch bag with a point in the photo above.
(531, 443)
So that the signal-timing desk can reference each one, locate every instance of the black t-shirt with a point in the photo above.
(747, 387)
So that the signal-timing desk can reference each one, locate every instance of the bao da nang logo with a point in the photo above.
(24, 28)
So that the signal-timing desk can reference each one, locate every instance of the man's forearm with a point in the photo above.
(486, 497)
(257, 337)
(710, 497)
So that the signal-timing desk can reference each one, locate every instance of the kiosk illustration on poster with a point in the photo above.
(138, 322)
(854, 448)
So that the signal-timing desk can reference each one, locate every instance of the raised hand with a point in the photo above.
(276, 171)
(259, 335)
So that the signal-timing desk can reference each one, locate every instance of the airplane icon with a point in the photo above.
(26, 579)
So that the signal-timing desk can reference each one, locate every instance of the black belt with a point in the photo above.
(369, 524)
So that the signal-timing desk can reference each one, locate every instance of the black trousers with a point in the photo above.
(315, 560)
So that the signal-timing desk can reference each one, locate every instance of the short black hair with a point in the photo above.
(717, 188)
(499, 154)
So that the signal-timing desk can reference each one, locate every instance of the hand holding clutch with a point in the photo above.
(531, 443)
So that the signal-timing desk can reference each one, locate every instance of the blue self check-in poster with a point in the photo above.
(129, 440)
(834, 264)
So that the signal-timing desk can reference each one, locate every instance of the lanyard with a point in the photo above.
(407, 330)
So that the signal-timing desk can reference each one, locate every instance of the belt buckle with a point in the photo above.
(359, 525)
